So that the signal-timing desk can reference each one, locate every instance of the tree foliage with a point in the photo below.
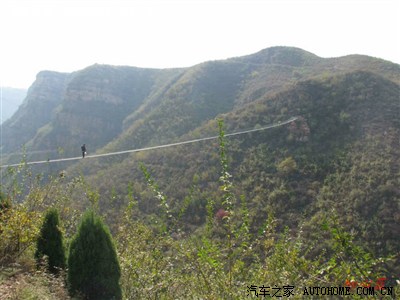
(93, 268)
(50, 243)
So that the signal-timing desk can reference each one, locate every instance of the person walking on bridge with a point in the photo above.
(83, 148)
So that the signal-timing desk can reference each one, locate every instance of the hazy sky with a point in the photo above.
(70, 35)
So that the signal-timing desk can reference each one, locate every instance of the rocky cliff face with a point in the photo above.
(62, 111)
(95, 105)
(45, 94)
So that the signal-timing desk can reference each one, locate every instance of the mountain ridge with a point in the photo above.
(113, 108)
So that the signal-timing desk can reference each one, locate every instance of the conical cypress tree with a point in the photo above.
(50, 243)
(93, 268)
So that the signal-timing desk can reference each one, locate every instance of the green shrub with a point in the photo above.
(93, 268)
(50, 243)
(4, 202)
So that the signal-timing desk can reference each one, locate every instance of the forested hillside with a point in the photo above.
(348, 124)
(312, 202)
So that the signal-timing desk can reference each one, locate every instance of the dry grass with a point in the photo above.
(32, 286)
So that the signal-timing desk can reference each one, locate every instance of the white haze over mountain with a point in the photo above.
(66, 36)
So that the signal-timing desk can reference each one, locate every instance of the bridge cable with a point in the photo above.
(152, 147)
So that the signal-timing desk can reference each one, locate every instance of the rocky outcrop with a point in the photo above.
(45, 94)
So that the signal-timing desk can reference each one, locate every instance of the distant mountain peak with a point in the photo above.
(282, 55)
